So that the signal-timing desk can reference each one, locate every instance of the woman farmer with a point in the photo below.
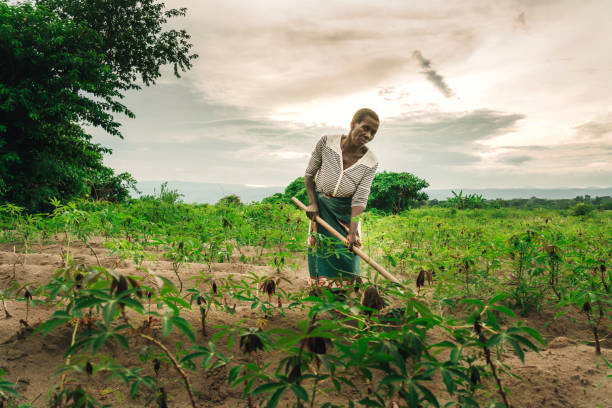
(338, 180)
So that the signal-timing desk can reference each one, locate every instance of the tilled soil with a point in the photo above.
(566, 373)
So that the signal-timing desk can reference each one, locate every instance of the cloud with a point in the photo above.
(520, 22)
(434, 145)
(391, 93)
(449, 128)
(432, 76)
(595, 129)
(514, 160)
(533, 87)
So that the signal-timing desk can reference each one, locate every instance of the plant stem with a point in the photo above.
(6, 312)
(499, 385)
(176, 364)
(314, 392)
(176, 267)
(93, 252)
(74, 333)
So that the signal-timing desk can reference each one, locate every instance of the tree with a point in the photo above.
(395, 192)
(105, 185)
(132, 34)
(64, 65)
(52, 78)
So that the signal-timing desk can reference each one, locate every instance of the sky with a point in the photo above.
(471, 94)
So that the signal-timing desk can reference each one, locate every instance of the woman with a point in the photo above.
(338, 180)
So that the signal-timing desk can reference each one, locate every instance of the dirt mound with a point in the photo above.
(560, 342)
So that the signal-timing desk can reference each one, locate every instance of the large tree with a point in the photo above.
(135, 38)
(60, 69)
(52, 79)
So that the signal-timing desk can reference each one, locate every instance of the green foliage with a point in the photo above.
(483, 264)
(582, 209)
(65, 64)
(105, 185)
(297, 188)
(395, 192)
(52, 79)
(134, 36)
(462, 202)
(231, 199)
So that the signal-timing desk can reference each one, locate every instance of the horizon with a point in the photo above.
(195, 192)
(510, 95)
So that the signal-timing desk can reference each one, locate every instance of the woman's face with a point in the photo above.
(364, 131)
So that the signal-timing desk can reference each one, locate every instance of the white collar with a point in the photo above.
(368, 159)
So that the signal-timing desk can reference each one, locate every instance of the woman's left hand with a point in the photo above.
(353, 240)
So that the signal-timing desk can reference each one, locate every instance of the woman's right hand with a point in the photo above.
(312, 211)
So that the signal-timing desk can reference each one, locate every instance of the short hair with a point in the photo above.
(362, 113)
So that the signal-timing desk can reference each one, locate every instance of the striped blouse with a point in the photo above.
(332, 179)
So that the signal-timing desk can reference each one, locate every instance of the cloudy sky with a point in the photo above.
(471, 94)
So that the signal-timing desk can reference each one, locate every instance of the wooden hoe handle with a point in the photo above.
(356, 250)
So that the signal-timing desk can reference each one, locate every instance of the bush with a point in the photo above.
(581, 209)
(297, 188)
(230, 200)
(462, 202)
(105, 185)
(395, 192)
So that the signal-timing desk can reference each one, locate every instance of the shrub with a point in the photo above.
(395, 192)
(581, 209)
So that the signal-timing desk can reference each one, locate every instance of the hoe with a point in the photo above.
(356, 250)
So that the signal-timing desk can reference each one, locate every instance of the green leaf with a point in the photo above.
(109, 312)
(122, 341)
(517, 348)
(497, 298)
(533, 333)
(455, 354)
(525, 341)
(49, 325)
(473, 302)
(273, 401)
(134, 389)
(448, 381)
(266, 388)
(429, 396)
(494, 340)
(166, 325)
(184, 326)
(100, 340)
(299, 392)
(233, 373)
(503, 309)
(492, 320)
(178, 300)
(392, 378)
(370, 403)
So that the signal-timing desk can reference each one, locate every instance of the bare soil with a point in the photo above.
(566, 373)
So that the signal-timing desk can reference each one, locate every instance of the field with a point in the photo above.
(162, 304)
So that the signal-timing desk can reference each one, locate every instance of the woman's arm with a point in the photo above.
(352, 237)
(316, 159)
(313, 208)
(358, 204)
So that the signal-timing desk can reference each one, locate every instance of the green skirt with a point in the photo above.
(330, 258)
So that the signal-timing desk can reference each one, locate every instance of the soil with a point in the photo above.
(566, 373)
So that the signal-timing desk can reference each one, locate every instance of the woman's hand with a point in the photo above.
(312, 211)
(353, 240)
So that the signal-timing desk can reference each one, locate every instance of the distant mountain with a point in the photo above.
(510, 193)
(210, 192)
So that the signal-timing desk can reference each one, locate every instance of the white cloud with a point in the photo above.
(530, 79)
